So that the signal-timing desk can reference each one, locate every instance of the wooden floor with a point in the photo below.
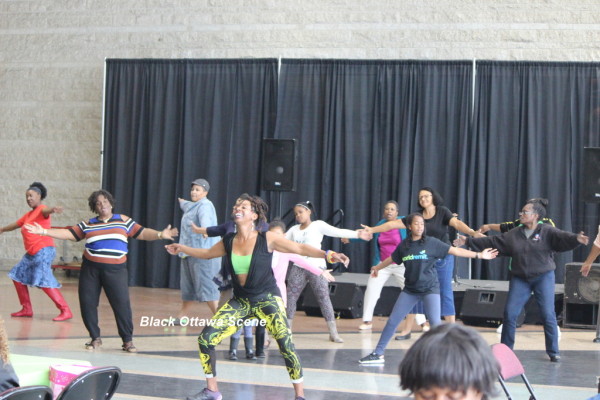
(167, 366)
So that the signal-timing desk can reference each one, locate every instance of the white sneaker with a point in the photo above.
(420, 319)
(365, 326)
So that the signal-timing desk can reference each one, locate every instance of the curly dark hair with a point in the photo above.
(258, 206)
(41, 187)
(94, 198)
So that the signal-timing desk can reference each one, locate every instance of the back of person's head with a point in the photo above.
(452, 357)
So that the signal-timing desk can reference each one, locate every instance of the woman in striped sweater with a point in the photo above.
(104, 263)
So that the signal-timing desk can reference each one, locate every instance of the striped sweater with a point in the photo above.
(106, 242)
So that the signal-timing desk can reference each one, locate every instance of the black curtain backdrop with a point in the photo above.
(168, 122)
(370, 131)
(367, 131)
(531, 122)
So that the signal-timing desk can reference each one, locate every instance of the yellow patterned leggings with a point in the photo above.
(225, 322)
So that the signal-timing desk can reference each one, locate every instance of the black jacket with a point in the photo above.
(531, 257)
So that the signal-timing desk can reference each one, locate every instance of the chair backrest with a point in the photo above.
(27, 393)
(510, 366)
(94, 384)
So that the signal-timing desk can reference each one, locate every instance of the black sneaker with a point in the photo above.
(403, 337)
(372, 359)
(555, 359)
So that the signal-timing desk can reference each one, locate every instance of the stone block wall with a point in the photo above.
(52, 62)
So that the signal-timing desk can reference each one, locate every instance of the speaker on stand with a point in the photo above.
(278, 167)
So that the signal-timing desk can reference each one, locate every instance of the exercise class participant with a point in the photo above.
(248, 259)
(104, 263)
(35, 268)
(531, 247)
(419, 253)
(311, 233)
(438, 220)
(383, 244)
(223, 280)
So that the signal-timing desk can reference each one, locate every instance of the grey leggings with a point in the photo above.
(297, 278)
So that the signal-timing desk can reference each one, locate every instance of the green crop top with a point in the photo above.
(241, 264)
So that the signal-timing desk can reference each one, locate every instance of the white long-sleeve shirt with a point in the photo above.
(313, 234)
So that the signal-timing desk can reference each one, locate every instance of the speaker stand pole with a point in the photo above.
(280, 205)
(597, 339)
(277, 211)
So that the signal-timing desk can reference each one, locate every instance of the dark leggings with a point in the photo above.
(297, 278)
(113, 278)
(269, 308)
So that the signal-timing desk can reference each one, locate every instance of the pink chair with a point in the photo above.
(510, 366)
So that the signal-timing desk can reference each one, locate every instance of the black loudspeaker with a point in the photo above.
(591, 175)
(278, 165)
(582, 294)
(346, 298)
(387, 300)
(485, 308)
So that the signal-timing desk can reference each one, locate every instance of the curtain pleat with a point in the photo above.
(531, 122)
(168, 122)
(371, 131)
(366, 131)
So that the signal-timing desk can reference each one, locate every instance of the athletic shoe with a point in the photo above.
(372, 359)
(554, 359)
(365, 326)
(206, 394)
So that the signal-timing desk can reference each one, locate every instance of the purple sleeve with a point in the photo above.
(218, 230)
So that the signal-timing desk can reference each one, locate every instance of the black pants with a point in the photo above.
(113, 278)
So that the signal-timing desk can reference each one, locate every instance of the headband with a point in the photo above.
(303, 205)
(35, 189)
